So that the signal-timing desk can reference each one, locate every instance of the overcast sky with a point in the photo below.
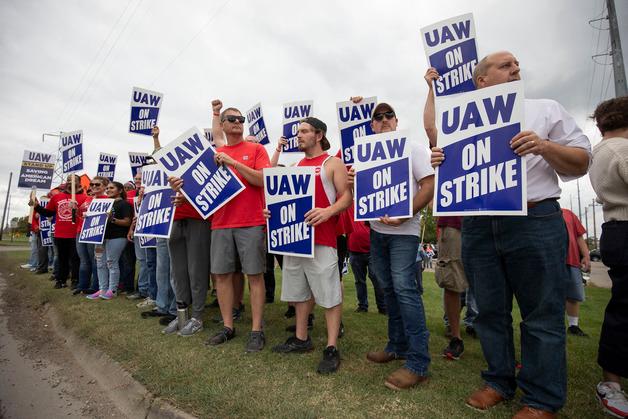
(69, 65)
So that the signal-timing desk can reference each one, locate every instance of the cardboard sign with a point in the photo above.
(37, 170)
(450, 48)
(137, 160)
(354, 120)
(257, 126)
(156, 212)
(293, 113)
(209, 136)
(95, 221)
(147, 242)
(106, 165)
(72, 151)
(481, 175)
(289, 194)
(206, 186)
(145, 105)
(45, 226)
(383, 176)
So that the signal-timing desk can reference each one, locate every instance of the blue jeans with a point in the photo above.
(142, 276)
(394, 264)
(524, 257)
(34, 259)
(87, 269)
(165, 295)
(472, 308)
(360, 262)
(107, 261)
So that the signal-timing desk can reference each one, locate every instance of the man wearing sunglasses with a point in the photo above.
(238, 230)
(394, 246)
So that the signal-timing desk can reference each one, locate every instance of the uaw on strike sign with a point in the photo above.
(354, 120)
(481, 175)
(145, 105)
(156, 212)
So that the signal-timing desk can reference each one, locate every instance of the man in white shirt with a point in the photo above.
(525, 257)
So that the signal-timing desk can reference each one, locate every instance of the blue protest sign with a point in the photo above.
(106, 165)
(481, 175)
(354, 120)
(209, 136)
(45, 226)
(145, 105)
(289, 194)
(72, 151)
(292, 114)
(206, 186)
(147, 242)
(36, 171)
(451, 49)
(257, 126)
(137, 160)
(156, 212)
(383, 176)
(95, 221)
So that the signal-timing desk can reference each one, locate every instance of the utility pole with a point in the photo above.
(6, 203)
(593, 204)
(579, 208)
(586, 223)
(616, 53)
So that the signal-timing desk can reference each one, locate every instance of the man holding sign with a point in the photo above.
(524, 256)
(305, 280)
(394, 244)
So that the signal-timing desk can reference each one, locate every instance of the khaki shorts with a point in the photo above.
(449, 271)
(303, 278)
(238, 249)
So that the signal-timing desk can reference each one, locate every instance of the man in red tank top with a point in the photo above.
(308, 281)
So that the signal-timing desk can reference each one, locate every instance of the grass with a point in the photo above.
(225, 382)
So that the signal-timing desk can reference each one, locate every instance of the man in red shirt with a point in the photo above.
(238, 230)
(62, 207)
(578, 260)
(305, 280)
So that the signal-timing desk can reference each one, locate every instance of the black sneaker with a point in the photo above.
(290, 313)
(454, 350)
(221, 337)
(470, 331)
(341, 331)
(330, 361)
(152, 313)
(310, 324)
(361, 310)
(294, 344)
(382, 311)
(576, 331)
(165, 320)
(256, 342)
(59, 285)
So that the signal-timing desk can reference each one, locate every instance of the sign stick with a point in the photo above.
(31, 211)
(73, 198)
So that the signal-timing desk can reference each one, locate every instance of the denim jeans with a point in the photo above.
(143, 281)
(165, 295)
(34, 259)
(360, 263)
(524, 257)
(107, 261)
(394, 265)
(151, 269)
(472, 308)
(87, 266)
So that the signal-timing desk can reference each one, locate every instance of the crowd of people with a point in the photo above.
(483, 261)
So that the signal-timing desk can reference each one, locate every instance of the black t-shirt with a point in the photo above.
(121, 209)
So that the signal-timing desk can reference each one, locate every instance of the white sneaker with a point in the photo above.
(172, 327)
(25, 266)
(613, 400)
(192, 327)
(147, 302)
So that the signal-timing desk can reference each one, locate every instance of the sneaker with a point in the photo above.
(25, 266)
(290, 313)
(361, 310)
(152, 313)
(192, 327)
(454, 350)
(147, 302)
(108, 295)
(470, 331)
(576, 331)
(135, 296)
(94, 296)
(172, 327)
(256, 342)
(165, 320)
(310, 324)
(382, 311)
(59, 285)
(294, 344)
(330, 361)
(221, 337)
(612, 399)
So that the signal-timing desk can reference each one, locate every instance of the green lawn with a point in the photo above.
(223, 381)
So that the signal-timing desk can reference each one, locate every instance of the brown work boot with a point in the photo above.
(403, 378)
(381, 357)
(484, 398)
(528, 412)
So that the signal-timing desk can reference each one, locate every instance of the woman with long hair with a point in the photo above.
(108, 255)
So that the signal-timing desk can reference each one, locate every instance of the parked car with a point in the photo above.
(595, 255)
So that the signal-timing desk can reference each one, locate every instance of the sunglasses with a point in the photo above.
(380, 116)
(234, 118)
(95, 184)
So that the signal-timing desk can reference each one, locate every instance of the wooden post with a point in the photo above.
(31, 212)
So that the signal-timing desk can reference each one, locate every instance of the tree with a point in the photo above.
(428, 226)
